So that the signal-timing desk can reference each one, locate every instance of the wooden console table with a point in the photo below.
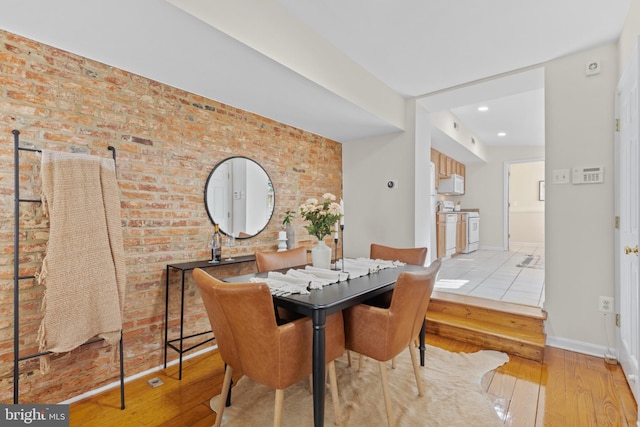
(183, 268)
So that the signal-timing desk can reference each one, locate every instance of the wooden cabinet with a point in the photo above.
(445, 166)
(461, 233)
(441, 235)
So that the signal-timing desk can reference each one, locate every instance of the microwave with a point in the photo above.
(454, 185)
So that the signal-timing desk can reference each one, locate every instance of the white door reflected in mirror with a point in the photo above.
(239, 197)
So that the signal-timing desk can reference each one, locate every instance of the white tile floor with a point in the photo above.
(496, 275)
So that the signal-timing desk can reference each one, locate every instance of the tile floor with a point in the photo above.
(496, 275)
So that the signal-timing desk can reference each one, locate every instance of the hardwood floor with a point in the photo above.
(565, 389)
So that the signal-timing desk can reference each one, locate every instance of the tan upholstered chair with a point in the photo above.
(269, 261)
(249, 340)
(415, 256)
(383, 333)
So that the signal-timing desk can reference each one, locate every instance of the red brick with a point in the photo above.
(167, 142)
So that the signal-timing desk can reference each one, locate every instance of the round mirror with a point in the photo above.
(239, 197)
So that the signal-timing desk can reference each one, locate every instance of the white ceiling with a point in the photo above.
(415, 47)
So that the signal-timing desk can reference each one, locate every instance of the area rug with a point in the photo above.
(453, 394)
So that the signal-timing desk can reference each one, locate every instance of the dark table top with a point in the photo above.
(337, 296)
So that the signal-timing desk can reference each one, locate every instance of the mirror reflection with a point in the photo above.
(239, 197)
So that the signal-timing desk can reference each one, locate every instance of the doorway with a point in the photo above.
(524, 204)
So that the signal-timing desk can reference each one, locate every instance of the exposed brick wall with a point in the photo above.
(167, 142)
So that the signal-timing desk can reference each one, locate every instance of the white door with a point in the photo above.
(628, 212)
(219, 197)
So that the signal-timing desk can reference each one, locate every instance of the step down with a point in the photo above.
(513, 328)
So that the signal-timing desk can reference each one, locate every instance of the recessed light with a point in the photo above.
(502, 134)
(483, 108)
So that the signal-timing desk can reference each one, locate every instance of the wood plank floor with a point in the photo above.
(566, 389)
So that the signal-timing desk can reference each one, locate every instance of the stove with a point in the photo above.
(472, 239)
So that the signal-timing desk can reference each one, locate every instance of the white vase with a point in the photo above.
(321, 255)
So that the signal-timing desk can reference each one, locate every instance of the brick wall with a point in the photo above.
(167, 142)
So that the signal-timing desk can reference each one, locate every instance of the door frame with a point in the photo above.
(618, 239)
(505, 195)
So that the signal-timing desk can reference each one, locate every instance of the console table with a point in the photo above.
(183, 268)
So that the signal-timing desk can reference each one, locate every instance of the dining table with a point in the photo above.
(319, 303)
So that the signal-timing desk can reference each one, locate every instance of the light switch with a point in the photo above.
(561, 176)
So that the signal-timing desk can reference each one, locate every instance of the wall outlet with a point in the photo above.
(606, 304)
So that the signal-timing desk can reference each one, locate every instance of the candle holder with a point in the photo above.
(282, 241)
(342, 232)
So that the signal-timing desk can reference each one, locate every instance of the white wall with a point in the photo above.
(579, 236)
(373, 212)
(579, 218)
(630, 33)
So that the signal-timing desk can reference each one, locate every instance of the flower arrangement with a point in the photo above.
(321, 215)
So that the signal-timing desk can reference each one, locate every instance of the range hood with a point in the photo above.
(452, 186)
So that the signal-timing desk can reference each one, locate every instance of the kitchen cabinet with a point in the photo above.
(441, 233)
(445, 166)
(461, 233)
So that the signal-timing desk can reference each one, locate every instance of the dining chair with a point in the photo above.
(414, 256)
(383, 333)
(269, 261)
(250, 341)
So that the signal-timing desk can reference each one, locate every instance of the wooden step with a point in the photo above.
(513, 328)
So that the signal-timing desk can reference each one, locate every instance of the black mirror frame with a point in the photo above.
(206, 185)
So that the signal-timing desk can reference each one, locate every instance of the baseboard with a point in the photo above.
(135, 376)
(577, 346)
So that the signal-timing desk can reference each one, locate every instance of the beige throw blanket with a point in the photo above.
(84, 268)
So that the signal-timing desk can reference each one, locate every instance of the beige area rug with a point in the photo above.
(453, 395)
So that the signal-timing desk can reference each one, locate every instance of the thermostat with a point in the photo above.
(588, 175)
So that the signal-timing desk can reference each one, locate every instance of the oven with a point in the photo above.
(473, 232)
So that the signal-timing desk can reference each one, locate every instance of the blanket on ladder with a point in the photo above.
(84, 270)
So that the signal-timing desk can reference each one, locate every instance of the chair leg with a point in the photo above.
(393, 363)
(349, 357)
(360, 361)
(333, 381)
(277, 412)
(386, 392)
(226, 383)
(416, 369)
